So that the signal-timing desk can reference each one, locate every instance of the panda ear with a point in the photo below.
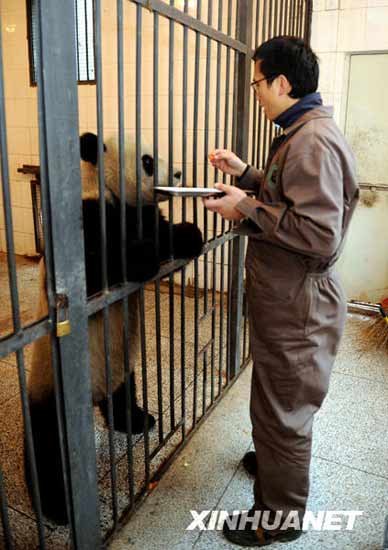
(89, 147)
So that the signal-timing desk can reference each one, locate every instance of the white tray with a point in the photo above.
(189, 191)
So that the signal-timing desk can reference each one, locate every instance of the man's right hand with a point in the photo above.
(227, 162)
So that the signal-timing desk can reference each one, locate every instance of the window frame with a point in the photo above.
(31, 61)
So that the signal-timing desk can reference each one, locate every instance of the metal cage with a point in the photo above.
(209, 291)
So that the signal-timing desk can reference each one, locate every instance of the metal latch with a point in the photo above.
(63, 323)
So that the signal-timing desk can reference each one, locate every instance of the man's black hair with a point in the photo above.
(292, 57)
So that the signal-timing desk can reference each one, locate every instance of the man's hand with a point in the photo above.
(226, 206)
(227, 162)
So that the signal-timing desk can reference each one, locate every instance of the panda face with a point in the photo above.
(111, 169)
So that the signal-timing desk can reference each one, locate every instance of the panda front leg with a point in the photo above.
(48, 459)
(120, 401)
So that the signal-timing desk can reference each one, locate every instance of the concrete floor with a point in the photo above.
(349, 466)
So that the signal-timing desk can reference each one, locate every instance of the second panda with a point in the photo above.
(143, 262)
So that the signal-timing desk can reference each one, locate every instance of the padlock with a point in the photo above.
(63, 327)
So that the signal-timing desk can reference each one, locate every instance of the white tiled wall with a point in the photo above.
(22, 124)
(341, 27)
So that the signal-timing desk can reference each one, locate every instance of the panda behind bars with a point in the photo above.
(143, 262)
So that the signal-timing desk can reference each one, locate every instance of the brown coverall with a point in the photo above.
(297, 307)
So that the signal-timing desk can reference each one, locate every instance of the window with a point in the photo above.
(84, 39)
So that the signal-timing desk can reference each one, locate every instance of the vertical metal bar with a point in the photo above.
(285, 17)
(195, 217)
(256, 111)
(86, 40)
(184, 112)
(195, 118)
(120, 91)
(213, 329)
(157, 213)
(171, 213)
(104, 257)
(226, 115)
(196, 342)
(128, 394)
(281, 17)
(127, 373)
(183, 351)
(159, 359)
(301, 17)
(229, 319)
(308, 21)
(218, 106)
(156, 120)
(265, 122)
(172, 350)
(270, 19)
(221, 341)
(58, 86)
(292, 22)
(206, 150)
(271, 26)
(139, 197)
(243, 104)
(275, 18)
(145, 386)
(9, 543)
(297, 17)
(50, 287)
(297, 14)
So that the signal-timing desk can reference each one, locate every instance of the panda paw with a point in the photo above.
(142, 260)
(138, 417)
(188, 240)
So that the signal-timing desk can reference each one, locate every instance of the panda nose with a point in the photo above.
(178, 174)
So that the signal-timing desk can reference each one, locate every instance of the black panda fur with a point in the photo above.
(143, 262)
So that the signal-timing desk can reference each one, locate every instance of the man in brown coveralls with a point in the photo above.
(305, 199)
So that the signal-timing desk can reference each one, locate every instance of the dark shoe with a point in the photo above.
(249, 463)
(248, 536)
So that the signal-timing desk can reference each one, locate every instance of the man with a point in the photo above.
(304, 201)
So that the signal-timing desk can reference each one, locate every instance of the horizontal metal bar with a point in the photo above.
(25, 336)
(119, 292)
(207, 314)
(364, 306)
(371, 186)
(205, 347)
(195, 24)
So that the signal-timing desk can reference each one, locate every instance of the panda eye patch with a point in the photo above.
(148, 164)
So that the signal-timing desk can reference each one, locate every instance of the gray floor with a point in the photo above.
(349, 466)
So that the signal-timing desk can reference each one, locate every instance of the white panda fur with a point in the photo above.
(187, 244)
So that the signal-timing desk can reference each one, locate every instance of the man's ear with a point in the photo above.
(285, 87)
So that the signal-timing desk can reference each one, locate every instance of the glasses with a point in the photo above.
(255, 83)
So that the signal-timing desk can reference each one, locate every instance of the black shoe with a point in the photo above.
(248, 536)
(249, 463)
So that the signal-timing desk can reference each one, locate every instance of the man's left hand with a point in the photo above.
(226, 206)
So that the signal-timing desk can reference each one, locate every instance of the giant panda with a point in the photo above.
(143, 262)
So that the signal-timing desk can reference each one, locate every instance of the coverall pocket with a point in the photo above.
(326, 305)
(295, 391)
